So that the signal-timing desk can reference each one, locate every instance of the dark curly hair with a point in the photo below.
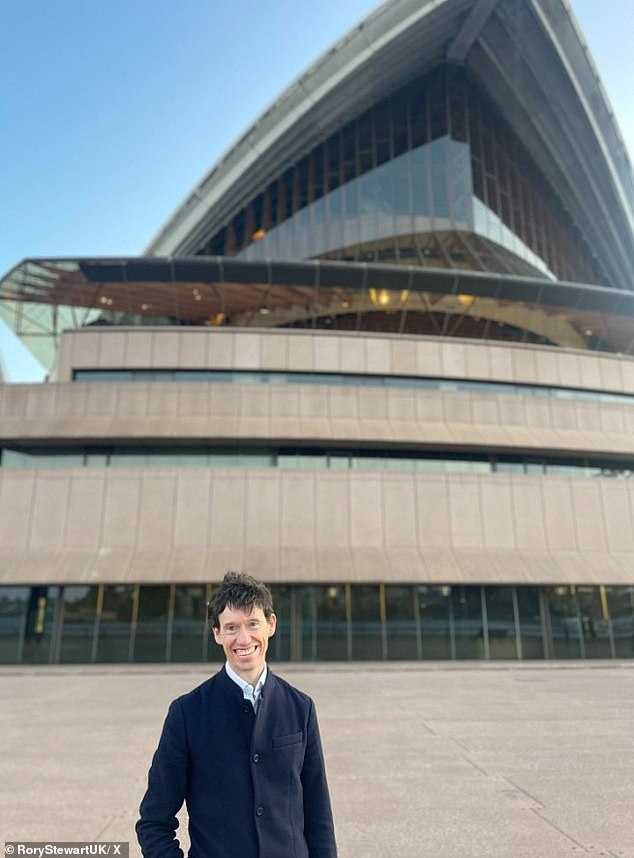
(238, 590)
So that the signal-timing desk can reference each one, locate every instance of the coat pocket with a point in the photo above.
(285, 741)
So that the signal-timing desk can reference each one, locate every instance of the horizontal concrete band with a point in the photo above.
(168, 525)
(305, 566)
(334, 351)
(325, 414)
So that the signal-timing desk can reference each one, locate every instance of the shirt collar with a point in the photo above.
(243, 684)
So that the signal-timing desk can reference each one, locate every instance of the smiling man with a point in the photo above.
(242, 750)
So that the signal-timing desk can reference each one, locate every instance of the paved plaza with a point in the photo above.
(438, 760)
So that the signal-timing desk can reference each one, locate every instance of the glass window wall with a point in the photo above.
(328, 622)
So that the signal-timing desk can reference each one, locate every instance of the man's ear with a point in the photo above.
(217, 637)
(272, 621)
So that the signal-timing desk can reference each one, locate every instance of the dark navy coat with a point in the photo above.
(254, 784)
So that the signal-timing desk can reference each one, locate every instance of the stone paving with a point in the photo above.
(439, 760)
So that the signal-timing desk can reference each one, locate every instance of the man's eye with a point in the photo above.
(254, 625)
(230, 630)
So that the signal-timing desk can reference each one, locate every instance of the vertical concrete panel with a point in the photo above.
(48, 519)
(588, 515)
(589, 371)
(528, 513)
(112, 350)
(326, 354)
(558, 515)
(132, 400)
(432, 510)
(15, 398)
(191, 517)
(399, 513)
(485, 409)
(247, 351)
(547, 367)
(84, 350)
(85, 510)
(500, 363)
(428, 361)
(524, 365)
(476, 361)
(298, 510)
(569, 373)
(332, 511)
(139, 349)
(193, 399)
(627, 374)
(156, 518)
(121, 510)
(352, 352)
(497, 513)
(610, 369)
(377, 356)
(162, 399)
(300, 353)
(613, 417)
(618, 514)
(403, 357)
(274, 351)
(16, 504)
(228, 510)
(366, 519)
(41, 401)
(192, 349)
(70, 400)
(452, 356)
(219, 349)
(100, 400)
(465, 513)
(165, 349)
(263, 510)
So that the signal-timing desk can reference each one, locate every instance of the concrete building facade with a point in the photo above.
(381, 357)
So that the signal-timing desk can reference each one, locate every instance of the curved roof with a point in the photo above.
(529, 57)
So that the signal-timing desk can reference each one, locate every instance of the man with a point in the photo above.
(242, 750)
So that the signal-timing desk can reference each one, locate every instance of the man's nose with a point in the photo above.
(243, 635)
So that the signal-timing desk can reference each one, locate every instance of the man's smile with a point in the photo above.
(246, 651)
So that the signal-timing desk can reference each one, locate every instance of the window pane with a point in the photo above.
(531, 632)
(40, 620)
(402, 638)
(13, 605)
(501, 622)
(113, 644)
(564, 622)
(367, 640)
(189, 624)
(594, 626)
(324, 623)
(621, 604)
(433, 607)
(280, 643)
(151, 632)
(78, 634)
(467, 617)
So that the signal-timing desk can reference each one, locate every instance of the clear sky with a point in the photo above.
(113, 109)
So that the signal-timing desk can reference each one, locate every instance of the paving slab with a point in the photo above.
(455, 760)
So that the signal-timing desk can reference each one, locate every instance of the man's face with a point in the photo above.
(245, 638)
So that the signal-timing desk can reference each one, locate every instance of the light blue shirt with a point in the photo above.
(248, 691)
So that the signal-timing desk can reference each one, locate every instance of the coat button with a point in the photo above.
(256, 758)
(259, 811)
(246, 708)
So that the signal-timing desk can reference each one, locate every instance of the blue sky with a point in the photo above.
(113, 109)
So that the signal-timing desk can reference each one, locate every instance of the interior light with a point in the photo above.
(264, 311)
(466, 300)
(384, 298)
(258, 234)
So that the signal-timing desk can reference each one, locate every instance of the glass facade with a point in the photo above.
(435, 157)
(315, 458)
(153, 623)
